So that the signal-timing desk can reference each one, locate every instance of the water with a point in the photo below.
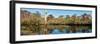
(58, 29)
(71, 29)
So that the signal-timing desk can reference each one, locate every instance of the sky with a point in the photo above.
(57, 12)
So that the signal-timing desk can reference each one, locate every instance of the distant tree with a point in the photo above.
(61, 16)
(25, 14)
(38, 13)
(84, 14)
(25, 11)
(72, 19)
(67, 19)
(34, 14)
(85, 18)
(50, 16)
(74, 16)
(67, 16)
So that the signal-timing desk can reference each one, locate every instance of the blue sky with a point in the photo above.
(57, 12)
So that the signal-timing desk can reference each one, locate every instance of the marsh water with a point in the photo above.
(57, 29)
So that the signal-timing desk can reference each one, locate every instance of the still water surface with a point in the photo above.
(58, 29)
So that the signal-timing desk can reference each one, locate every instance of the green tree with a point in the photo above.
(61, 16)
(72, 19)
(67, 16)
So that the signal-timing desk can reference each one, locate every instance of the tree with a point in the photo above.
(61, 16)
(38, 13)
(72, 19)
(67, 16)
(50, 16)
(85, 18)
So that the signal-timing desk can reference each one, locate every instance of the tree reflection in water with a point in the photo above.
(56, 29)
